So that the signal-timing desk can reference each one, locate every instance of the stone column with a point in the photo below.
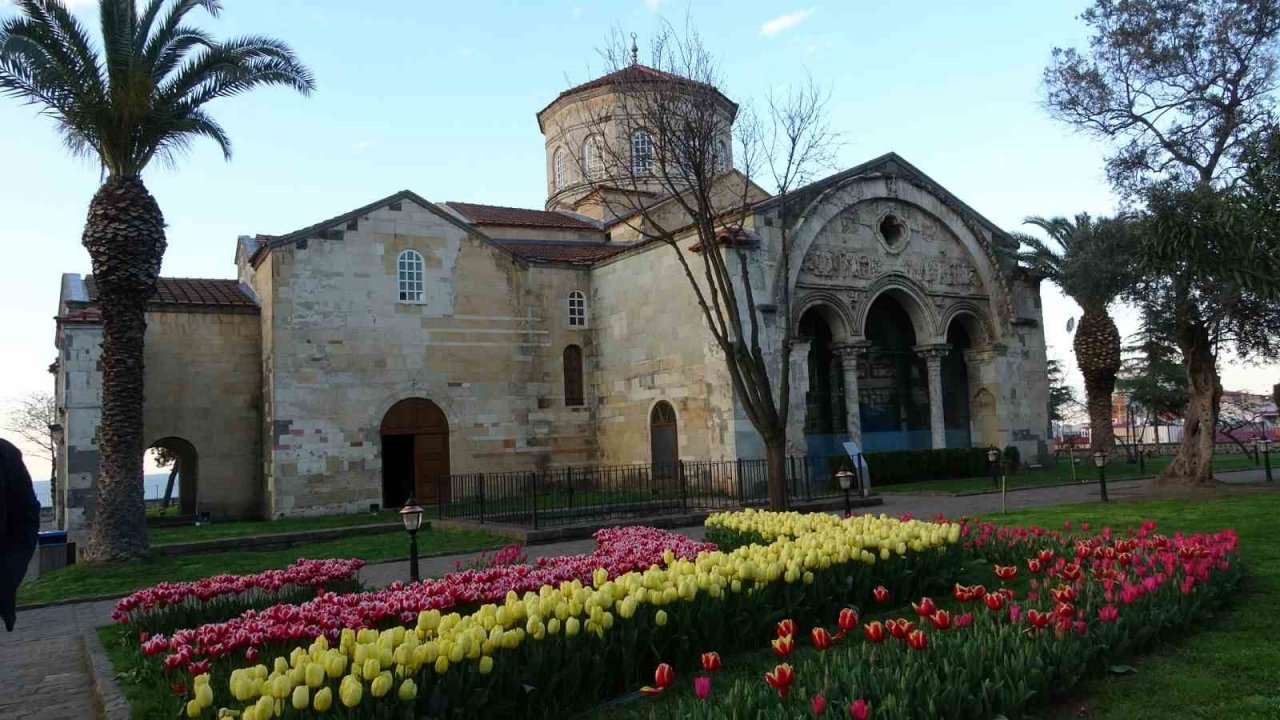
(796, 402)
(849, 354)
(933, 355)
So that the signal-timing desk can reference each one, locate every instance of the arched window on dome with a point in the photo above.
(593, 158)
(724, 156)
(559, 172)
(409, 276)
(577, 309)
(641, 153)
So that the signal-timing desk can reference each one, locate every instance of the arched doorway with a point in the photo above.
(664, 447)
(178, 457)
(955, 387)
(415, 453)
(824, 398)
(893, 385)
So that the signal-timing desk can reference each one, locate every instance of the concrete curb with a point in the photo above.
(109, 702)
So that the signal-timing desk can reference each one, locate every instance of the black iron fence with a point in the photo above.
(568, 495)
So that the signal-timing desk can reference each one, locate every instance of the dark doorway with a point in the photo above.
(824, 398)
(664, 447)
(415, 453)
(893, 385)
(955, 387)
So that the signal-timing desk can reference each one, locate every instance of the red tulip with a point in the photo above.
(251, 655)
(663, 676)
(1064, 611)
(859, 709)
(702, 687)
(1038, 620)
(711, 661)
(1034, 566)
(899, 628)
(787, 627)
(917, 640)
(963, 594)
(979, 591)
(1006, 572)
(780, 679)
(1070, 572)
(179, 689)
(1045, 556)
(1108, 613)
(925, 607)
(821, 638)
(995, 602)
(963, 621)
(874, 631)
(818, 704)
(881, 594)
(941, 620)
(848, 620)
(1063, 593)
(783, 646)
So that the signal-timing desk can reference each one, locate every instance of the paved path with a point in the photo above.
(43, 672)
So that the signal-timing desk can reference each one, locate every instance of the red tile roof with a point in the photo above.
(523, 217)
(81, 316)
(563, 252)
(192, 292)
(636, 73)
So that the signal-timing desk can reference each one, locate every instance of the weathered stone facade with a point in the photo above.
(291, 382)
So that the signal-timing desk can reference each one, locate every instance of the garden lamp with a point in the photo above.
(993, 457)
(411, 516)
(1264, 447)
(846, 484)
(1100, 460)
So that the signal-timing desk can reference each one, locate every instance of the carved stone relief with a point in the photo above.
(841, 264)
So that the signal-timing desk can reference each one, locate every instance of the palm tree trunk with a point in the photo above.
(1097, 349)
(1193, 464)
(124, 235)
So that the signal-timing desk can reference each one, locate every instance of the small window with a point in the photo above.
(641, 153)
(573, 395)
(724, 157)
(593, 158)
(577, 309)
(559, 175)
(409, 276)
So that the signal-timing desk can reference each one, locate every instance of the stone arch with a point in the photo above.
(833, 310)
(185, 470)
(908, 293)
(414, 435)
(971, 316)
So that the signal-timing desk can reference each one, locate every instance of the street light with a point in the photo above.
(846, 484)
(1264, 447)
(1100, 459)
(411, 516)
(993, 458)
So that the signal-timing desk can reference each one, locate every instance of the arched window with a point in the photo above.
(559, 176)
(593, 158)
(409, 276)
(577, 309)
(641, 153)
(724, 157)
(573, 395)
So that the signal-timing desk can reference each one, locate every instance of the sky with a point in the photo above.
(439, 98)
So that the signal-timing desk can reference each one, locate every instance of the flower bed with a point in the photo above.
(167, 606)
(590, 640)
(1069, 606)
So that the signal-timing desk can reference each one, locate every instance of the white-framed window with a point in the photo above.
(577, 309)
(641, 153)
(409, 276)
(559, 172)
(593, 158)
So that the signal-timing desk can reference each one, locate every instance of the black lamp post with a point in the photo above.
(993, 458)
(1100, 459)
(1264, 447)
(846, 484)
(411, 516)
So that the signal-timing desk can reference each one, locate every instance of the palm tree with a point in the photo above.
(1089, 264)
(139, 96)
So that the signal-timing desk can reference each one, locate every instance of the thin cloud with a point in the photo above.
(784, 22)
(652, 4)
(576, 12)
(363, 145)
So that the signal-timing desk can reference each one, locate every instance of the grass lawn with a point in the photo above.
(241, 528)
(1229, 668)
(86, 581)
(1060, 472)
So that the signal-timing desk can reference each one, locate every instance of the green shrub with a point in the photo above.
(904, 466)
(1012, 459)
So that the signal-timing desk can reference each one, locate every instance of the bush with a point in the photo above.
(904, 466)
(1012, 459)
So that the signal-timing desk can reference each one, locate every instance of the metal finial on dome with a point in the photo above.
(635, 51)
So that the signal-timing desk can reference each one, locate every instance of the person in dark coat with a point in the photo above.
(19, 526)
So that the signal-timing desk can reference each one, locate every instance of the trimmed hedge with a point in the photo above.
(904, 466)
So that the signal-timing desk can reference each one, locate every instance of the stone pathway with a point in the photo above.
(43, 671)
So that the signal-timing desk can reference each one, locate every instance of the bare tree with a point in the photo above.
(1243, 417)
(33, 418)
(678, 163)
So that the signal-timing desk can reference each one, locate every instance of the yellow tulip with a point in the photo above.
(660, 618)
(571, 627)
(350, 691)
(381, 685)
(204, 695)
(442, 665)
(486, 665)
(323, 700)
(314, 675)
(193, 709)
(408, 690)
(371, 668)
(301, 699)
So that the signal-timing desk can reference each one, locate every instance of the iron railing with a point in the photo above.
(568, 495)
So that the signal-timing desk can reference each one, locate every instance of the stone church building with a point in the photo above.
(359, 360)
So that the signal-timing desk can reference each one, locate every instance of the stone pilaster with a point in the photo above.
(933, 355)
(849, 354)
(796, 402)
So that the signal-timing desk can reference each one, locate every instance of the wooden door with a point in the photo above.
(431, 467)
(663, 441)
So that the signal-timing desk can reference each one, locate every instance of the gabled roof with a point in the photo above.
(890, 163)
(637, 74)
(564, 252)
(519, 217)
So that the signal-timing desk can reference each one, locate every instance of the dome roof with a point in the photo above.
(637, 74)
